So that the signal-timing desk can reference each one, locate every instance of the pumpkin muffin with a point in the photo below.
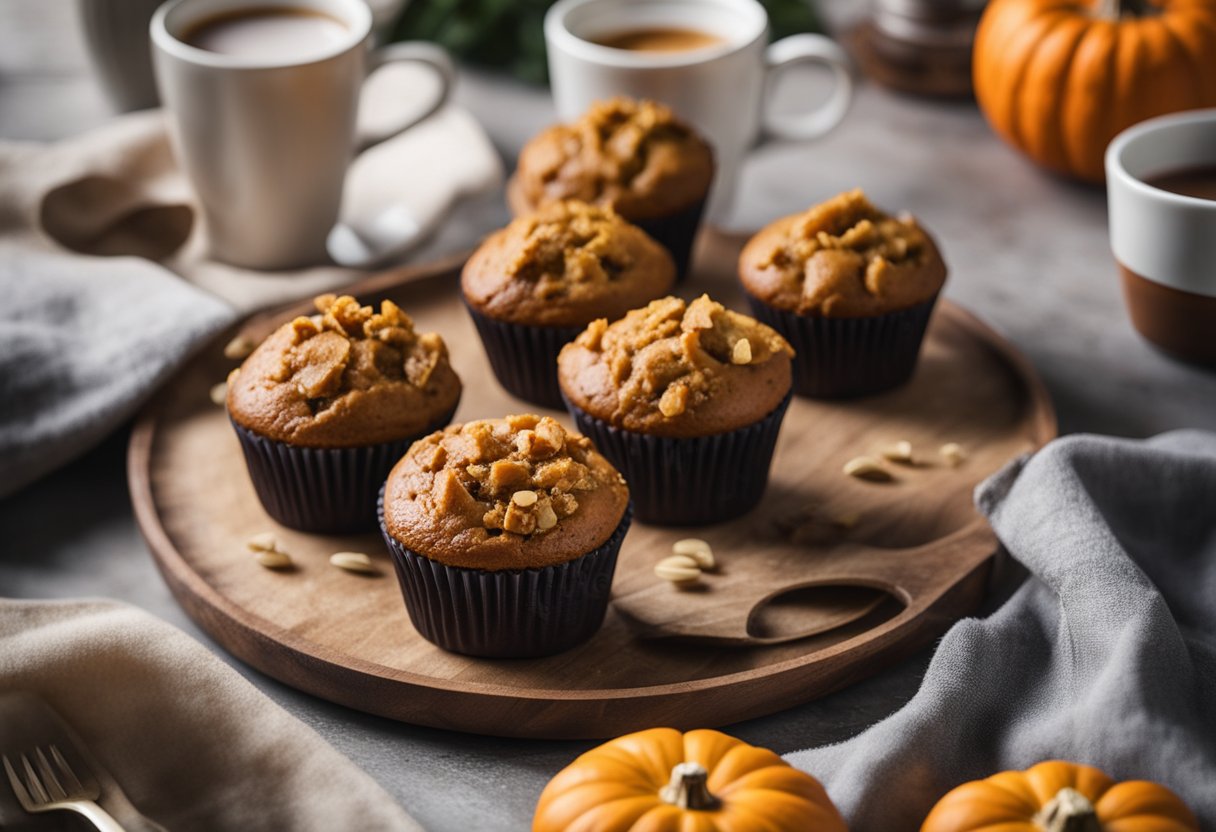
(534, 285)
(326, 405)
(851, 287)
(686, 399)
(633, 156)
(504, 534)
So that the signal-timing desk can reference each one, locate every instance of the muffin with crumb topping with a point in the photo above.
(534, 285)
(504, 534)
(851, 287)
(328, 402)
(686, 399)
(632, 156)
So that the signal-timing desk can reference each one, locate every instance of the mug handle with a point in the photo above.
(415, 52)
(807, 49)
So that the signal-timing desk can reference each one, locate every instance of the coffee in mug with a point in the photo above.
(1199, 182)
(286, 33)
(659, 39)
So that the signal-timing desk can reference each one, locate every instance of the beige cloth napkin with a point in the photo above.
(193, 745)
(117, 190)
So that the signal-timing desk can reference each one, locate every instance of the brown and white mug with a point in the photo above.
(1165, 242)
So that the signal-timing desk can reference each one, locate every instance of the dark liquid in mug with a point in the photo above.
(1197, 182)
(659, 39)
(270, 34)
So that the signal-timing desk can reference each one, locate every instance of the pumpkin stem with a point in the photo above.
(688, 788)
(1068, 811)
(1119, 9)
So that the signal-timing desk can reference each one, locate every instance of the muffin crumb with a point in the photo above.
(843, 257)
(520, 475)
(670, 357)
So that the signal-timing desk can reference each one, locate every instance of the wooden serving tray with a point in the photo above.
(828, 580)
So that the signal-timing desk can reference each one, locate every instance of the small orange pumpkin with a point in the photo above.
(1058, 79)
(1057, 796)
(664, 781)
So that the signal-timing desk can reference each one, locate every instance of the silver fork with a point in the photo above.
(45, 791)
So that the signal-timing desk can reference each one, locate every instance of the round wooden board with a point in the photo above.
(829, 580)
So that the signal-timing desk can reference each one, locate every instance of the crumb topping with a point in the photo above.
(671, 356)
(619, 151)
(351, 347)
(520, 475)
(568, 248)
(847, 247)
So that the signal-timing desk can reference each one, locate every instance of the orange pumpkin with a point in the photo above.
(1058, 79)
(664, 781)
(1060, 797)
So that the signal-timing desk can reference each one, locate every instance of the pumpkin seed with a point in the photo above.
(353, 562)
(900, 451)
(699, 550)
(272, 559)
(953, 454)
(263, 542)
(238, 348)
(868, 468)
(679, 569)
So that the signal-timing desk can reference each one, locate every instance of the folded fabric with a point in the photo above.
(1105, 656)
(106, 282)
(192, 744)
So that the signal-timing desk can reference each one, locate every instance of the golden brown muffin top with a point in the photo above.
(345, 377)
(634, 156)
(843, 258)
(514, 493)
(566, 265)
(677, 369)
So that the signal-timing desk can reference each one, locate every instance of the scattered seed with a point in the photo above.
(953, 454)
(546, 518)
(741, 353)
(847, 521)
(524, 499)
(679, 569)
(698, 550)
(219, 393)
(353, 562)
(238, 348)
(263, 542)
(900, 451)
(272, 559)
(868, 468)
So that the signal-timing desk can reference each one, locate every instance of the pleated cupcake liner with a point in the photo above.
(322, 490)
(689, 481)
(507, 614)
(842, 358)
(524, 358)
(677, 233)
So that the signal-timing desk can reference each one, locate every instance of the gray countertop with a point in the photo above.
(1027, 252)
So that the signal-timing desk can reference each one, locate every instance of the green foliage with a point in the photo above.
(509, 35)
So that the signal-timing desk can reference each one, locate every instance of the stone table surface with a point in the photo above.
(1027, 252)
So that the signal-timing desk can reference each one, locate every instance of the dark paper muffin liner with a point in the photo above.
(677, 233)
(692, 481)
(507, 614)
(524, 358)
(841, 358)
(322, 490)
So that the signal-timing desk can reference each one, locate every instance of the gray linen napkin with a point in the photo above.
(1106, 655)
(192, 744)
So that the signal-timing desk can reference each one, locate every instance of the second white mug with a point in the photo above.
(721, 89)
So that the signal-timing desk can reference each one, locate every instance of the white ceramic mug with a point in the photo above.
(1165, 243)
(267, 144)
(721, 89)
